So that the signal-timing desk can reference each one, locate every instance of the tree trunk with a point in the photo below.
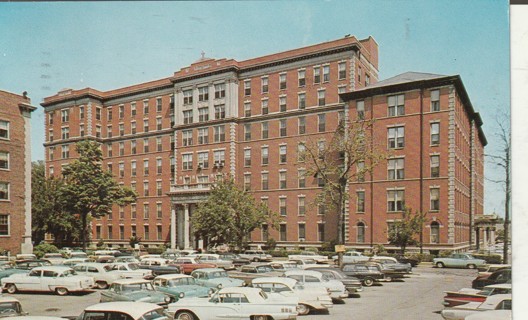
(507, 210)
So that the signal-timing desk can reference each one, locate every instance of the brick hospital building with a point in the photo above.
(170, 139)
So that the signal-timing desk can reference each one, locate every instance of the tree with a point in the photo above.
(403, 231)
(229, 215)
(90, 190)
(48, 208)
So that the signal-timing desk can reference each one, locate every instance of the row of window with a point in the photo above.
(132, 232)
(203, 93)
(133, 167)
(396, 136)
(134, 212)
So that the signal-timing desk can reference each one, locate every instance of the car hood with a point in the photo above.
(146, 296)
(226, 282)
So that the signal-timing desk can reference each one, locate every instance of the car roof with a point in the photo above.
(8, 299)
(249, 291)
(130, 281)
(173, 276)
(134, 309)
(92, 264)
(53, 268)
(209, 269)
(287, 281)
(303, 272)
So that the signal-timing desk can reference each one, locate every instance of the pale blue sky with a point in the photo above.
(45, 47)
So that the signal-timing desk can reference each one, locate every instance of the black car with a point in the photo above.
(352, 284)
(367, 274)
(412, 261)
(500, 276)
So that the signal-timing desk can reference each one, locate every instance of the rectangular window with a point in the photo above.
(220, 111)
(219, 158)
(282, 206)
(282, 180)
(133, 168)
(158, 124)
(282, 81)
(159, 190)
(435, 166)
(81, 130)
(341, 69)
(4, 224)
(159, 146)
(159, 232)
(301, 101)
(146, 191)
(317, 75)
(321, 232)
(322, 122)
(145, 167)
(326, 73)
(4, 190)
(265, 130)
(265, 109)
(121, 111)
(146, 211)
(159, 105)
(133, 147)
(265, 180)
(321, 97)
(121, 170)
(121, 148)
(247, 87)
(264, 83)
(247, 109)
(367, 79)
(133, 110)
(203, 114)
(302, 231)
(219, 133)
(247, 181)
(247, 157)
(65, 152)
(302, 125)
(121, 212)
(133, 127)
(109, 132)
(435, 198)
(187, 136)
(50, 118)
(396, 105)
(435, 133)
(109, 113)
(247, 132)
(301, 175)
(145, 145)
(203, 135)
(187, 97)
(301, 206)
(146, 126)
(341, 90)
(65, 115)
(282, 154)
(219, 90)
(97, 113)
(301, 75)
(360, 171)
(282, 127)
(360, 201)
(396, 137)
(109, 150)
(133, 211)
(145, 107)
(282, 232)
(159, 168)
(65, 133)
(81, 112)
(187, 163)
(282, 104)
(187, 116)
(50, 135)
(265, 155)
(435, 100)
(360, 108)
(395, 200)
(395, 168)
(121, 129)
(203, 160)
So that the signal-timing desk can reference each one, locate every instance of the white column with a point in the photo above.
(173, 227)
(26, 245)
(485, 237)
(186, 230)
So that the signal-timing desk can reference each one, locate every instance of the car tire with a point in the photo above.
(185, 315)
(259, 317)
(440, 265)
(101, 285)
(471, 266)
(368, 282)
(303, 309)
(11, 288)
(61, 291)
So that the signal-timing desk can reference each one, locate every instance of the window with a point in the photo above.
(4, 224)
(65, 133)
(4, 190)
(395, 200)
(159, 146)
(219, 157)
(121, 170)
(203, 135)
(264, 232)
(187, 161)
(121, 148)
(265, 109)
(321, 97)
(98, 113)
(159, 232)
(321, 209)
(282, 81)
(264, 82)
(282, 232)
(396, 105)
(247, 157)
(301, 101)
(435, 100)
(282, 104)
(302, 125)
(282, 153)
(146, 167)
(133, 110)
(247, 87)
(109, 150)
(203, 114)
(187, 116)
(301, 176)
(322, 122)
(187, 97)
(146, 211)
(50, 118)
(396, 136)
(435, 166)
(265, 155)
(360, 171)
(220, 111)
(301, 75)
(219, 133)
(133, 127)
(360, 201)
(159, 106)
(435, 133)
(133, 211)
(65, 115)
(247, 109)
(121, 212)
(50, 135)
(159, 190)
(341, 69)
(133, 147)
(65, 151)
(434, 194)
(360, 232)
(172, 167)
(247, 181)
(321, 148)
(435, 232)
(219, 90)
(146, 125)
(265, 130)
(146, 191)
(264, 177)
(109, 113)
(317, 75)
(121, 111)
(282, 206)
(81, 112)
(203, 160)
(247, 132)
(282, 127)
(81, 130)
(158, 123)
(302, 231)
(133, 167)
(187, 138)
(321, 232)
(282, 180)
(122, 129)
(360, 108)
(367, 79)
(326, 73)
(395, 168)
(145, 145)
(109, 132)
(341, 90)
(301, 206)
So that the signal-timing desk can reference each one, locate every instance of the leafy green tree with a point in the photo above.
(229, 215)
(91, 191)
(44, 248)
(403, 231)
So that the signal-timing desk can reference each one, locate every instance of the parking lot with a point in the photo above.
(417, 297)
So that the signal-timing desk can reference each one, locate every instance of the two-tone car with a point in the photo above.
(135, 290)
(494, 302)
(458, 260)
(101, 273)
(216, 260)
(124, 310)
(178, 284)
(130, 270)
(368, 275)
(309, 255)
(254, 270)
(310, 278)
(352, 284)
(256, 255)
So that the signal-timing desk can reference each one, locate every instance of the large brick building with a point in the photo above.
(15, 173)
(170, 139)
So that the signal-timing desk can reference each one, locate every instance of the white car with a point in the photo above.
(78, 254)
(215, 259)
(124, 310)
(129, 270)
(54, 258)
(309, 255)
(305, 263)
(10, 307)
(73, 261)
(58, 279)
(309, 298)
(147, 262)
(101, 273)
(491, 315)
(235, 303)
(495, 302)
(311, 279)
(146, 256)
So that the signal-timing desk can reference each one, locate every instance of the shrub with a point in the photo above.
(157, 250)
(44, 248)
(271, 244)
(490, 258)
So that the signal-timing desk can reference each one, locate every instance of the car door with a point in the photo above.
(228, 306)
(30, 282)
(49, 280)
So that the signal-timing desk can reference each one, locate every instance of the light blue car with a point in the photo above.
(215, 278)
(181, 285)
(458, 260)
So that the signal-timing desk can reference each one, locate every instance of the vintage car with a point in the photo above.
(126, 259)
(310, 278)
(216, 260)
(73, 261)
(235, 259)
(130, 270)
(124, 310)
(189, 264)
(495, 302)
(175, 284)
(283, 265)
(145, 262)
(309, 298)
(102, 275)
(367, 274)
(256, 255)
(458, 260)
(352, 284)
(215, 278)
(54, 258)
(304, 263)
(388, 273)
(500, 276)
(351, 257)
(488, 269)
(148, 256)
(59, 279)
(491, 315)
(25, 256)
(252, 271)
(236, 303)
(309, 255)
(135, 290)
(10, 307)
(390, 263)
(463, 296)
(78, 254)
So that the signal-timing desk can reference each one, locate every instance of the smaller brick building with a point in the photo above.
(15, 173)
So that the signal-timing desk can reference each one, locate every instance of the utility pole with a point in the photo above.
(507, 205)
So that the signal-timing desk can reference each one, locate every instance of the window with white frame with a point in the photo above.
(81, 112)
(220, 111)
(265, 129)
(435, 100)
(121, 111)
(282, 180)
(321, 121)
(203, 160)
(159, 105)
(396, 169)
(146, 167)
(109, 132)
(159, 212)
(203, 135)
(158, 123)
(301, 100)
(65, 151)
(247, 181)
(317, 75)
(133, 146)
(341, 70)
(434, 194)
(219, 133)
(247, 132)
(133, 109)
(187, 161)
(133, 127)
(51, 153)
(159, 146)
(65, 133)
(265, 155)
(81, 130)
(159, 190)
(302, 124)
(435, 166)
(50, 135)
(341, 90)
(301, 76)
(360, 167)
(203, 114)
(302, 231)
(301, 176)
(219, 157)
(360, 108)
(121, 148)
(247, 109)
(65, 115)
(395, 200)
(109, 149)
(159, 167)
(187, 97)
(282, 232)
(145, 107)
(360, 232)
(247, 157)
(133, 211)
(146, 145)
(301, 205)
(187, 137)
(145, 125)
(187, 116)
(133, 168)
(282, 153)
(4, 190)
(282, 127)
(282, 206)
(264, 177)
(326, 73)
(396, 105)
(4, 225)
(50, 116)
(282, 104)
(321, 97)
(282, 81)
(265, 109)
(247, 87)
(264, 84)
(121, 169)
(219, 90)
(396, 137)
(435, 133)
(360, 205)
(146, 210)
(435, 232)
(301, 152)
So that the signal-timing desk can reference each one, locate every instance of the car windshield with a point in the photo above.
(181, 282)
(262, 269)
(137, 286)
(10, 308)
(133, 266)
(68, 273)
(469, 256)
(217, 274)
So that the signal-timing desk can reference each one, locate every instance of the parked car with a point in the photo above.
(352, 284)
(351, 257)
(500, 276)
(78, 254)
(236, 259)
(309, 255)
(367, 275)
(309, 298)
(235, 303)
(391, 263)
(73, 261)
(7, 269)
(126, 259)
(25, 256)
(124, 310)
(252, 271)
(10, 307)
(304, 263)
(256, 255)
(181, 285)
(54, 258)
(30, 264)
(104, 259)
(458, 260)
(135, 290)
(463, 296)
(403, 259)
(388, 273)
(59, 279)
(215, 278)
(488, 269)
(102, 274)
(495, 302)
(310, 278)
(491, 315)
(189, 264)
(284, 265)
(146, 262)
(216, 260)
(130, 270)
